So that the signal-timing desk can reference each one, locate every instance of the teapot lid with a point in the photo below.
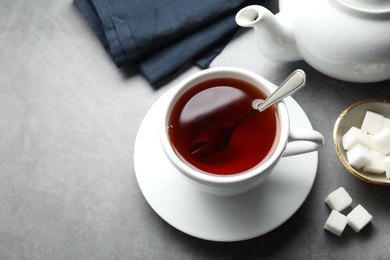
(373, 7)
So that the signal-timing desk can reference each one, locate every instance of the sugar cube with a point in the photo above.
(358, 218)
(382, 140)
(336, 223)
(376, 164)
(386, 162)
(358, 156)
(339, 199)
(354, 136)
(386, 123)
(372, 122)
(373, 146)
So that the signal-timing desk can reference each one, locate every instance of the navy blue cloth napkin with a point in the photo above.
(161, 36)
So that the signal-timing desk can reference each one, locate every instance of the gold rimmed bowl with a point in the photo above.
(353, 116)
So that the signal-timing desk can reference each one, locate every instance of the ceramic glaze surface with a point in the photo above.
(345, 39)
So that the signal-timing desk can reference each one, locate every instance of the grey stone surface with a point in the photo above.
(68, 122)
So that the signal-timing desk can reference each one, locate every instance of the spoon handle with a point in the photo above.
(295, 81)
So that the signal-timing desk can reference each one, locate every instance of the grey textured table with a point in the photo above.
(68, 123)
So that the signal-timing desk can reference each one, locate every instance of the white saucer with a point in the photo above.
(219, 218)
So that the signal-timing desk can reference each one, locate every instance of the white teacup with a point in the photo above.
(285, 141)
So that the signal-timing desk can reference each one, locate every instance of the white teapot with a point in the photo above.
(345, 39)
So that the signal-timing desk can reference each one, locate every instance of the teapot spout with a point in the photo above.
(274, 37)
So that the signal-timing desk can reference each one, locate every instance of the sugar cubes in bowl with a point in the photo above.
(362, 140)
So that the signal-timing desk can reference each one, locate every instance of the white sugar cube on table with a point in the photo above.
(336, 223)
(382, 140)
(339, 199)
(372, 122)
(358, 156)
(358, 218)
(376, 163)
(355, 136)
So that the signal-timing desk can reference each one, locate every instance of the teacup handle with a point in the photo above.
(303, 141)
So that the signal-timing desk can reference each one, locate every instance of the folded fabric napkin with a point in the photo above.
(161, 36)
